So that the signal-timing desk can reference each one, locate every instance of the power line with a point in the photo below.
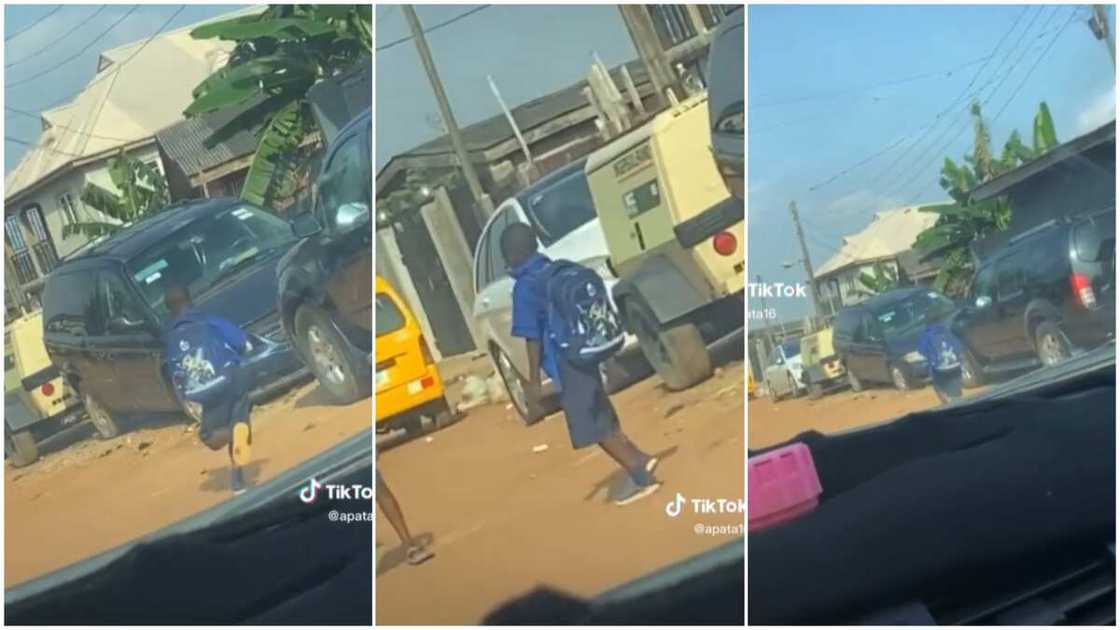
(54, 42)
(39, 146)
(869, 88)
(1073, 14)
(465, 14)
(70, 129)
(113, 72)
(75, 55)
(939, 150)
(118, 66)
(33, 24)
(961, 98)
(1035, 66)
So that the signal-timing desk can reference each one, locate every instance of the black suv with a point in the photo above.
(878, 339)
(326, 282)
(725, 100)
(1048, 293)
(104, 315)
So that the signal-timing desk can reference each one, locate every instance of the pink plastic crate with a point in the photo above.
(781, 485)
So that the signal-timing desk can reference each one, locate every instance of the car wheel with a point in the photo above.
(815, 391)
(328, 354)
(854, 382)
(22, 449)
(442, 417)
(971, 375)
(1051, 344)
(678, 353)
(103, 422)
(517, 387)
(899, 378)
(793, 388)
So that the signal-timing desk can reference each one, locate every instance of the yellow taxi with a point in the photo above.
(408, 384)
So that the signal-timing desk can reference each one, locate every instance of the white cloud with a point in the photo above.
(1099, 111)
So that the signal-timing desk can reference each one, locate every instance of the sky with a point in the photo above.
(529, 50)
(831, 86)
(90, 28)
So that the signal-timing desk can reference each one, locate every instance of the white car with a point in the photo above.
(560, 210)
(784, 370)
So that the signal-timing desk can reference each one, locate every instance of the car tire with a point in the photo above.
(442, 417)
(22, 449)
(854, 382)
(678, 352)
(815, 391)
(516, 386)
(971, 374)
(1050, 344)
(328, 355)
(771, 393)
(794, 390)
(102, 419)
(899, 379)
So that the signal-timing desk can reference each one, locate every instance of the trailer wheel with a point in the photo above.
(676, 351)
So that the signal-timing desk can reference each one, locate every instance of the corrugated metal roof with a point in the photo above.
(185, 142)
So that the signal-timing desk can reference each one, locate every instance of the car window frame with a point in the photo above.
(337, 152)
(121, 277)
(92, 284)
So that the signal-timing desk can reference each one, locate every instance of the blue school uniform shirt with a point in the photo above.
(230, 333)
(530, 311)
(940, 347)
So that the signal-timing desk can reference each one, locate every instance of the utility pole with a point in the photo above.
(1099, 25)
(817, 312)
(482, 200)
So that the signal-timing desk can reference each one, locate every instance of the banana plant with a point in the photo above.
(882, 278)
(964, 221)
(142, 190)
(278, 55)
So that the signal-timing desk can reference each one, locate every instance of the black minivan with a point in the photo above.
(326, 282)
(104, 315)
(878, 339)
(1049, 293)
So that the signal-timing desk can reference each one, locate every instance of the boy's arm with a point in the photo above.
(235, 337)
(526, 326)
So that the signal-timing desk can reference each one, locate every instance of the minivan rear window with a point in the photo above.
(562, 207)
(388, 318)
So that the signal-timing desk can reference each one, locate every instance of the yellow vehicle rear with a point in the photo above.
(407, 381)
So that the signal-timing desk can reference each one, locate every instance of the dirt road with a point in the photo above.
(771, 423)
(93, 495)
(504, 519)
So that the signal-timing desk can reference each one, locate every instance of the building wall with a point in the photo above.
(843, 287)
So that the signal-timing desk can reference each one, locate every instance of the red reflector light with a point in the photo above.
(1082, 290)
(47, 389)
(427, 382)
(725, 243)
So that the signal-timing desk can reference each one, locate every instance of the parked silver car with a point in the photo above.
(560, 210)
(784, 371)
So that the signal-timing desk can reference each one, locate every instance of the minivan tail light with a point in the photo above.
(1083, 290)
(725, 243)
(47, 389)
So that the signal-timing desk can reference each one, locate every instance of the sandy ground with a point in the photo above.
(503, 519)
(87, 495)
(772, 423)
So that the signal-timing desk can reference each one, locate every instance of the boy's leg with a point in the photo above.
(623, 451)
(416, 551)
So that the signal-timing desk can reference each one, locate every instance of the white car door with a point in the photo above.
(493, 305)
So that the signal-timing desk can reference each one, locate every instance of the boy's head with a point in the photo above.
(177, 299)
(518, 244)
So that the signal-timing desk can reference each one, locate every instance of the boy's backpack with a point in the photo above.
(943, 347)
(582, 320)
(199, 360)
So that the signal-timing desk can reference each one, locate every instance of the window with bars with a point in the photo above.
(46, 256)
(25, 269)
(34, 217)
(713, 14)
(69, 209)
(14, 233)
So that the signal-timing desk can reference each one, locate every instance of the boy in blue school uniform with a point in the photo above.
(588, 411)
(942, 352)
(224, 416)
